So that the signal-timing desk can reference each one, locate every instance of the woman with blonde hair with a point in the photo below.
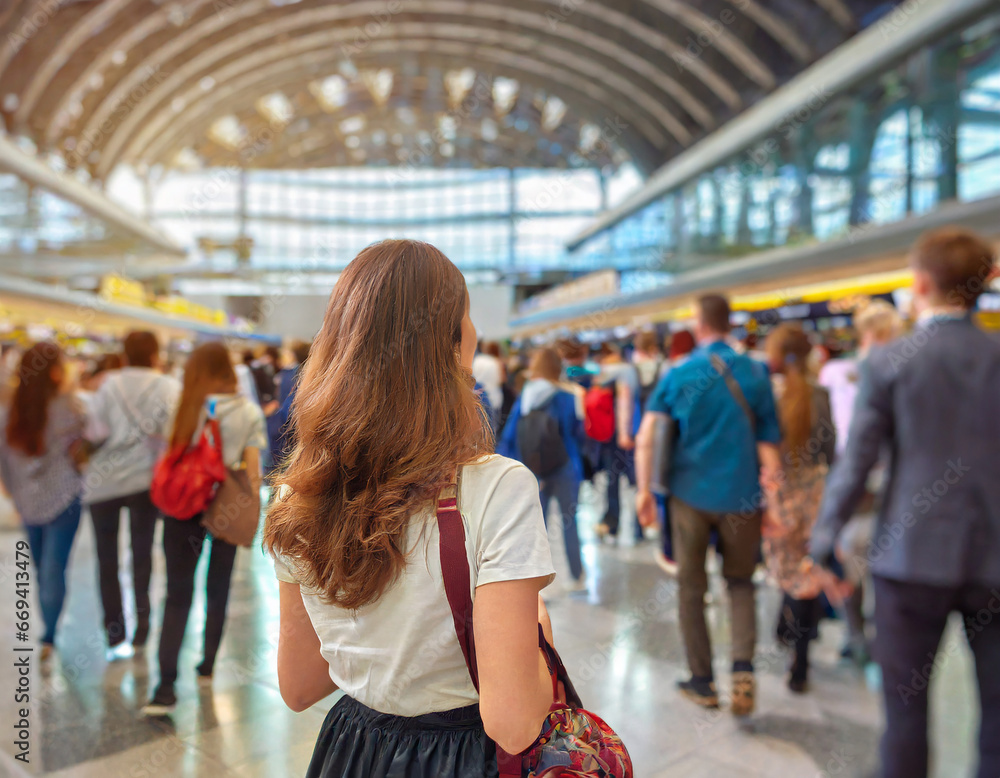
(809, 442)
(388, 423)
(210, 390)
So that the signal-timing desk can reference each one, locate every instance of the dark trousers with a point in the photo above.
(909, 621)
(564, 486)
(739, 539)
(798, 623)
(142, 516)
(182, 544)
(50, 545)
(616, 462)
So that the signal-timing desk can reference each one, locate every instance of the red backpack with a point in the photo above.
(186, 477)
(599, 413)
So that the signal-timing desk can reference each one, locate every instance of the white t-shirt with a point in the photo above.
(488, 370)
(241, 426)
(401, 655)
(131, 414)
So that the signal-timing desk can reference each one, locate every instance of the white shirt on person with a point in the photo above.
(133, 410)
(401, 655)
(488, 371)
(241, 425)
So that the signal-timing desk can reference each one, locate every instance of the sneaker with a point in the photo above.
(162, 704)
(700, 692)
(46, 652)
(666, 564)
(797, 685)
(744, 689)
(118, 652)
(601, 530)
(578, 584)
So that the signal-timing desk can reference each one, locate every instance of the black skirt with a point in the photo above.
(358, 742)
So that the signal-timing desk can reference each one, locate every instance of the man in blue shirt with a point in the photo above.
(727, 441)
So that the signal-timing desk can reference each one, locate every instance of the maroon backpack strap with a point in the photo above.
(457, 581)
(457, 577)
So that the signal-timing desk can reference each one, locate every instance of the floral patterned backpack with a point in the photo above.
(574, 743)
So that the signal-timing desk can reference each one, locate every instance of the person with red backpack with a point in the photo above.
(209, 393)
(612, 416)
(542, 432)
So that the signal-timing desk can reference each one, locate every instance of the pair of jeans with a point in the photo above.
(182, 544)
(616, 462)
(142, 515)
(739, 542)
(564, 487)
(50, 546)
(910, 619)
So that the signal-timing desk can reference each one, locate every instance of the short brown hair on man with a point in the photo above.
(958, 261)
(141, 348)
(713, 311)
(647, 342)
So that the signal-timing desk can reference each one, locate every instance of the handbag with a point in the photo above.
(234, 513)
(573, 743)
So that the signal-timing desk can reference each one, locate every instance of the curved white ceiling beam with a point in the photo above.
(137, 129)
(312, 18)
(601, 13)
(204, 109)
(65, 46)
(839, 12)
(777, 28)
(729, 45)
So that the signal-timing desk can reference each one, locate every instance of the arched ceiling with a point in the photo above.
(313, 83)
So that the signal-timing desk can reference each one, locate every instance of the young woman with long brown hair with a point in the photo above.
(39, 435)
(387, 419)
(210, 388)
(809, 443)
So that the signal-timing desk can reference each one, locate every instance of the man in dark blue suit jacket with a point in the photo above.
(930, 400)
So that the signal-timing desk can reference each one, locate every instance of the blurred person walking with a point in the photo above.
(877, 324)
(41, 437)
(727, 440)
(616, 386)
(929, 398)
(357, 541)
(280, 425)
(488, 369)
(210, 391)
(548, 403)
(131, 412)
(807, 451)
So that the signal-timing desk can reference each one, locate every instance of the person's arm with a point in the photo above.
(645, 503)
(624, 414)
(515, 689)
(251, 458)
(871, 426)
(303, 672)
(768, 433)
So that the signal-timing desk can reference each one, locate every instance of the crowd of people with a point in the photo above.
(877, 469)
(91, 435)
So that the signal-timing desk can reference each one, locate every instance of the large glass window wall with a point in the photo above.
(924, 132)
(510, 221)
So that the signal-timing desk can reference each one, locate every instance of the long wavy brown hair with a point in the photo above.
(208, 370)
(384, 415)
(36, 388)
(788, 346)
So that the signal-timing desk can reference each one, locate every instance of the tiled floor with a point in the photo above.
(620, 642)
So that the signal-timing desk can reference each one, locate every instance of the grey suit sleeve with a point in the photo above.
(872, 424)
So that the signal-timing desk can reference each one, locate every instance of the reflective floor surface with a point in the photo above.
(619, 639)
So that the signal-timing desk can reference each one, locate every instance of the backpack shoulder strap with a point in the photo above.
(734, 389)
